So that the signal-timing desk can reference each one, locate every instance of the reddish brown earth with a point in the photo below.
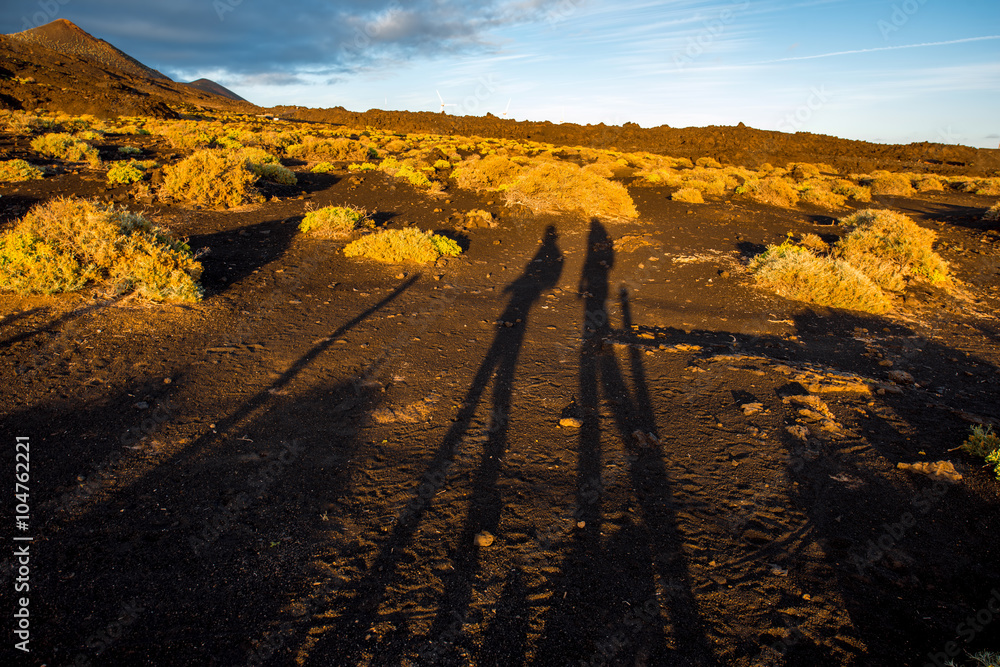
(295, 470)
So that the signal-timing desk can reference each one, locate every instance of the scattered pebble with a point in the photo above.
(751, 408)
(900, 377)
(571, 422)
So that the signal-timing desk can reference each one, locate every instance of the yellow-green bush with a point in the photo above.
(708, 162)
(124, 173)
(334, 221)
(561, 186)
(322, 168)
(66, 243)
(18, 170)
(337, 148)
(403, 245)
(888, 247)
(406, 171)
(860, 193)
(66, 147)
(818, 193)
(689, 195)
(930, 184)
(796, 273)
(211, 178)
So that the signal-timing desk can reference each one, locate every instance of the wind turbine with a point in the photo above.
(507, 109)
(443, 105)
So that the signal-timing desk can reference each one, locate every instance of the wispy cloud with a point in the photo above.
(880, 48)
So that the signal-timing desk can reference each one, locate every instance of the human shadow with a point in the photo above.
(608, 607)
(150, 547)
(345, 643)
(236, 253)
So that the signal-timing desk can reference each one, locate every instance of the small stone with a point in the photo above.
(581, 524)
(167, 380)
(724, 275)
(571, 422)
(142, 405)
(400, 276)
(483, 539)
(900, 377)
(886, 363)
(751, 408)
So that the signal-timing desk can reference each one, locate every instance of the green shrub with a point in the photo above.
(364, 166)
(212, 178)
(129, 150)
(322, 168)
(796, 273)
(275, 173)
(888, 246)
(124, 173)
(402, 245)
(66, 243)
(19, 170)
(984, 443)
(334, 221)
(66, 147)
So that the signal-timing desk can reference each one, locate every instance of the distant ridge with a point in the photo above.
(67, 37)
(213, 88)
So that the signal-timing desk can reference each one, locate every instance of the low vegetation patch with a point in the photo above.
(889, 247)
(66, 147)
(19, 170)
(212, 178)
(322, 168)
(992, 213)
(64, 244)
(797, 273)
(125, 173)
(562, 186)
(771, 190)
(334, 221)
(984, 443)
(885, 183)
(689, 195)
(403, 245)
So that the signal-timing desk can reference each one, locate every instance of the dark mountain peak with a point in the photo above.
(213, 88)
(66, 37)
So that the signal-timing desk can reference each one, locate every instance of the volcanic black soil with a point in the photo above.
(544, 452)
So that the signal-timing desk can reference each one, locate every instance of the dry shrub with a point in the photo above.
(66, 147)
(65, 243)
(930, 184)
(334, 221)
(796, 273)
(274, 173)
(853, 191)
(408, 170)
(493, 172)
(802, 171)
(814, 242)
(689, 195)
(986, 186)
(708, 163)
(818, 193)
(993, 213)
(402, 245)
(770, 190)
(337, 148)
(561, 186)
(600, 169)
(888, 247)
(211, 178)
(19, 170)
(885, 183)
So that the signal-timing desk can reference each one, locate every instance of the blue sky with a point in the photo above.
(895, 72)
